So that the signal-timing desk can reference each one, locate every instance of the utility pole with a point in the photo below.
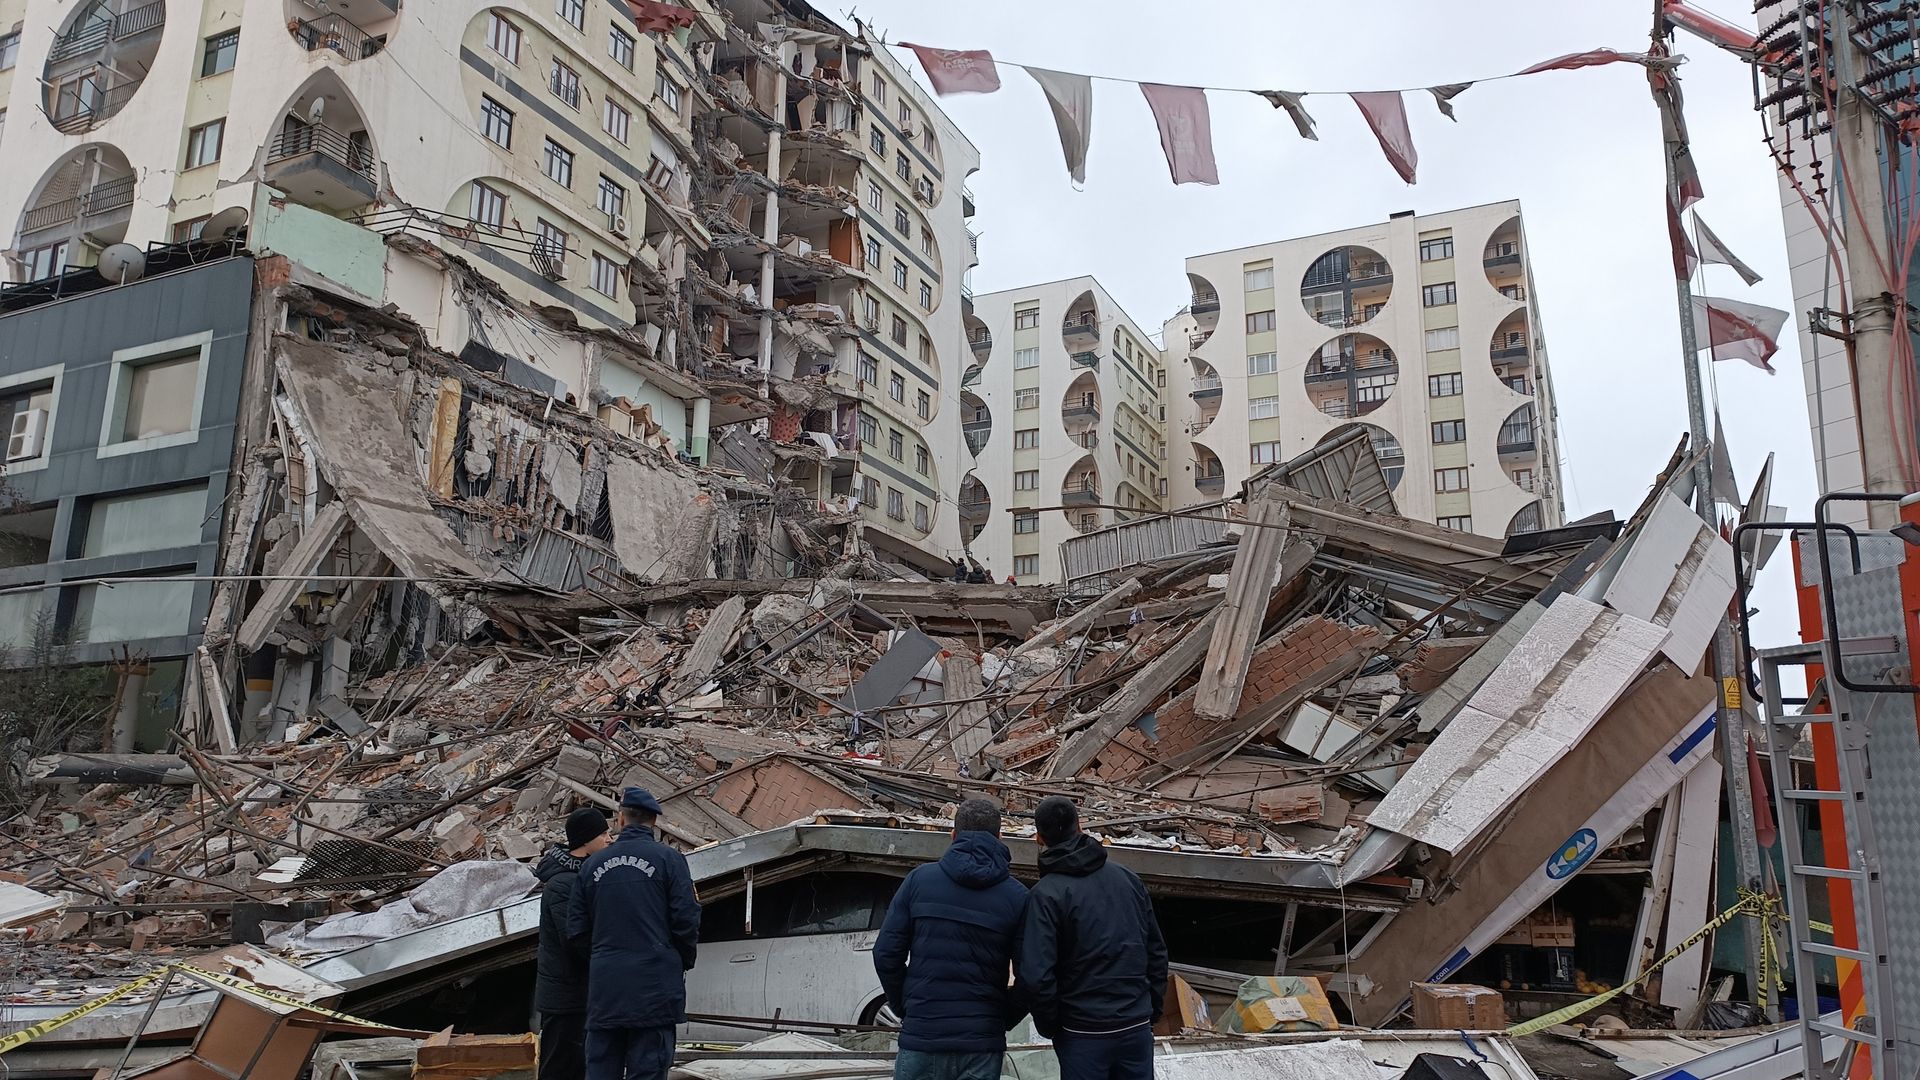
(1730, 724)
(1884, 412)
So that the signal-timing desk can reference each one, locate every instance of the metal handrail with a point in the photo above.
(54, 213)
(1206, 382)
(330, 143)
(85, 115)
(337, 34)
(80, 40)
(1085, 358)
(140, 20)
(108, 197)
(1087, 323)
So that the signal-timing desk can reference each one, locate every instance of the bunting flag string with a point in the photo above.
(1712, 250)
(1181, 114)
(1738, 331)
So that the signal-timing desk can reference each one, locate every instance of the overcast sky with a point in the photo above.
(1579, 149)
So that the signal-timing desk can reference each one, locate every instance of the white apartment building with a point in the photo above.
(1422, 328)
(1065, 407)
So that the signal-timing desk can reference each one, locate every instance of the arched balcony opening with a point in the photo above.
(976, 422)
(979, 338)
(976, 508)
(1080, 330)
(98, 61)
(1209, 473)
(1205, 309)
(1527, 519)
(1519, 439)
(1206, 394)
(1347, 286)
(1504, 261)
(1080, 489)
(1351, 375)
(349, 30)
(1080, 405)
(1393, 457)
(1511, 353)
(320, 152)
(82, 205)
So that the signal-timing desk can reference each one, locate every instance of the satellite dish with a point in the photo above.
(222, 226)
(121, 263)
(317, 110)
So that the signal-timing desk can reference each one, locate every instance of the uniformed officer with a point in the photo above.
(635, 909)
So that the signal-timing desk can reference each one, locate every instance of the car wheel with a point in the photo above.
(880, 1015)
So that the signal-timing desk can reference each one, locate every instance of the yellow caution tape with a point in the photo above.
(237, 985)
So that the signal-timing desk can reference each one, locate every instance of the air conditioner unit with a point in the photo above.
(28, 437)
(619, 225)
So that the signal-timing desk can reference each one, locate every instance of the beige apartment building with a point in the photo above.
(1423, 329)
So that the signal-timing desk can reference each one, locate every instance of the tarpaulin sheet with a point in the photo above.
(462, 889)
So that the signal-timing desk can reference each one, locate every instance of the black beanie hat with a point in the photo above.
(583, 825)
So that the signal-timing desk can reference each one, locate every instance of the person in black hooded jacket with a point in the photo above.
(1091, 963)
(945, 950)
(560, 983)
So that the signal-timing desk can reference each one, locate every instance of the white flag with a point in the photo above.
(1071, 98)
(1713, 251)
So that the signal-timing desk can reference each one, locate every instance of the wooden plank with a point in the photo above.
(968, 726)
(1080, 621)
(446, 429)
(712, 643)
(1142, 690)
(219, 710)
(1237, 629)
(278, 596)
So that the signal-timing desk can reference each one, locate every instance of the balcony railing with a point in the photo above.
(1086, 359)
(1080, 412)
(971, 378)
(78, 106)
(1506, 254)
(335, 145)
(1079, 491)
(1086, 440)
(1084, 325)
(972, 508)
(1205, 302)
(108, 197)
(1512, 350)
(1513, 292)
(980, 342)
(50, 215)
(1336, 408)
(1209, 481)
(977, 425)
(1338, 317)
(1515, 439)
(1518, 384)
(96, 33)
(338, 35)
(1205, 383)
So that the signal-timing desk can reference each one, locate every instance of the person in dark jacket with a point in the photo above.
(560, 987)
(635, 910)
(944, 953)
(1092, 965)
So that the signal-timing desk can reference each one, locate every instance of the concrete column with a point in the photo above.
(697, 428)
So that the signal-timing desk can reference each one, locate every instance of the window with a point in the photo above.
(926, 137)
(897, 387)
(1449, 479)
(1438, 295)
(926, 296)
(923, 404)
(877, 139)
(1443, 338)
(27, 436)
(1026, 523)
(1026, 438)
(550, 242)
(1373, 387)
(1261, 278)
(1463, 523)
(1262, 363)
(878, 92)
(9, 49)
(620, 47)
(3, 130)
(901, 223)
(922, 517)
(503, 37)
(496, 122)
(1523, 478)
(872, 309)
(606, 275)
(1026, 565)
(574, 11)
(488, 207)
(1449, 431)
(870, 491)
(133, 610)
(867, 370)
(220, 53)
(667, 90)
(1027, 398)
(873, 252)
(559, 164)
(926, 349)
(926, 242)
(922, 464)
(1026, 320)
(896, 444)
(153, 393)
(184, 231)
(1259, 322)
(905, 116)
(565, 84)
(899, 334)
(1263, 408)
(899, 273)
(869, 429)
(902, 167)
(613, 198)
(1026, 480)
(1026, 358)
(896, 505)
(616, 120)
(1264, 453)
(873, 195)
(203, 143)
(149, 521)
(1443, 385)
(1440, 247)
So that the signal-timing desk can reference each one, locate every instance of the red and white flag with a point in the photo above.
(1186, 131)
(958, 71)
(1713, 251)
(1711, 27)
(1737, 331)
(1590, 58)
(1685, 259)
(1070, 97)
(1386, 114)
(653, 17)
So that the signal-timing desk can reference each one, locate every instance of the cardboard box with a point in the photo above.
(1457, 1007)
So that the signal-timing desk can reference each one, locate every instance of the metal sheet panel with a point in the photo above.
(1132, 543)
(1678, 573)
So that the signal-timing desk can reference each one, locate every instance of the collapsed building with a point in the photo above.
(440, 610)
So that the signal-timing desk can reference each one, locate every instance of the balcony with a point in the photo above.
(1083, 411)
(1080, 491)
(971, 378)
(1087, 359)
(336, 35)
(1212, 483)
(1326, 373)
(1518, 384)
(1513, 292)
(975, 507)
(97, 33)
(1515, 440)
(1086, 440)
(980, 343)
(1206, 302)
(976, 436)
(104, 201)
(80, 106)
(1206, 386)
(1510, 351)
(966, 202)
(1336, 408)
(1506, 254)
(1085, 326)
(322, 167)
(1369, 274)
